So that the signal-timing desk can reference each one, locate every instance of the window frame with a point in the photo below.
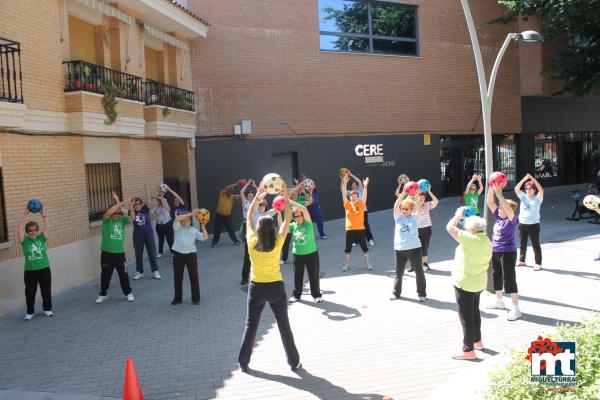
(104, 201)
(370, 37)
(3, 232)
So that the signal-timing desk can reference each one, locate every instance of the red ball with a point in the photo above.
(242, 182)
(499, 179)
(279, 203)
(411, 188)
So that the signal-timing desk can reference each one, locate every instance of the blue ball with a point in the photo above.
(468, 212)
(424, 185)
(34, 206)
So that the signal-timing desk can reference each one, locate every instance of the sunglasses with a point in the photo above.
(298, 216)
(406, 209)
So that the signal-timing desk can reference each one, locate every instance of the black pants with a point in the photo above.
(32, 279)
(532, 231)
(259, 294)
(220, 222)
(356, 236)
(285, 250)
(470, 319)
(425, 238)
(311, 262)
(165, 231)
(247, 263)
(180, 261)
(503, 266)
(368, 227)
(109, 262)
(415, 256)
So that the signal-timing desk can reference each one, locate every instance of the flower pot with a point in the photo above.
(77, 84)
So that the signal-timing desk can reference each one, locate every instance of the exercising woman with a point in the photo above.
(247, 198)
(529, 218)
(266, 283)
(472, 194)
(164, 224)
(143, 236)
(425, 223)
(355, 226)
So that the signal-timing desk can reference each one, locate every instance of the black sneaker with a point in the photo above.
(411, 269)
(297, 367)
(243, 367)
(196, 303)
(213, 245)
(175, 302)
(426, 267)
(244, 282)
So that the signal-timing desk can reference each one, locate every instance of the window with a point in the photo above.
(368, 26)
(3, 230)
(101, 180)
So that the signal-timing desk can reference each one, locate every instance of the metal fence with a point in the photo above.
(101, 180)
(168, 96)
(11, 78)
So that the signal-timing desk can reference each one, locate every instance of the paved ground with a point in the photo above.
(355, 345)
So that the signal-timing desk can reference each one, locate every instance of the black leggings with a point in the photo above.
(369, 234)
(415, 256)
(470, 319)
(533, 231)
(180, 261)
(285, 250)
(109, 262)
(503, 266)
(32, 279)
(425, 237)
(165, 231)
(356, 236)
(246, 264)
(311, 262)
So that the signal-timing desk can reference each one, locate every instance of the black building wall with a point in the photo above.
(223, 161)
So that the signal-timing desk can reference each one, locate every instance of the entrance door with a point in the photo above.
(286, 165)
(571, 159)
(451, 166)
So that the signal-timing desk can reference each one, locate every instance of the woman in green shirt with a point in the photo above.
(37, 265)
(472, 194)
(306, 254)
(469, 275)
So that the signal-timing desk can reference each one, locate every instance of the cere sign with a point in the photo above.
(373, 153)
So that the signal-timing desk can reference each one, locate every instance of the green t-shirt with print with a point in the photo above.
(303, 238)
(301, 199)
(35, 252)
(113, 234)
(472, 201)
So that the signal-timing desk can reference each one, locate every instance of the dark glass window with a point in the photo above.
(3, 227)
(101, 180)
(368, 26)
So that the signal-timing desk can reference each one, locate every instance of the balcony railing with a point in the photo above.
(94, 78)
(11, 82)
(168, 96)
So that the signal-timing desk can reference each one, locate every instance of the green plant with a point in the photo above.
(166, 111)
(109, 102)
(82, 70)
(514, 381)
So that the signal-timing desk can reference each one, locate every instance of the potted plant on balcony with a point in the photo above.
(82, 72)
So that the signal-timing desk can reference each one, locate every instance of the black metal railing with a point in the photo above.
(168, 96)
(11, 78)
(94, 78)
(101, 180)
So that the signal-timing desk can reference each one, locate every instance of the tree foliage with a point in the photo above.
(576, 22)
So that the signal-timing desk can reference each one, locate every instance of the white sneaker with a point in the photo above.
(159, 255)
(280, 262)
(48, 313)
(157, 275)
(497, 305)
(318, 299)
(293, 299)
(371, 242)
(369, 267)
(130, 297)
(353, 244)
(101, 299)
(28, 317)
(345, 268)
(514, 315)
(138, 275)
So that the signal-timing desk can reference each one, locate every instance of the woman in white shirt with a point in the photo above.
(184, 255)
(164, 224)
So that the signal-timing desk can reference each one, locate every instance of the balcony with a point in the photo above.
(86, 85)
(12, 107)
(168, 96)
(169, 111)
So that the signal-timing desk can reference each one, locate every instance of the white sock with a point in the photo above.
(516, 307)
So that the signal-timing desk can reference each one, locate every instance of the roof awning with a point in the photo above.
(108, 10)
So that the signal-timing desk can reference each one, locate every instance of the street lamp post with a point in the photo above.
(486, 92)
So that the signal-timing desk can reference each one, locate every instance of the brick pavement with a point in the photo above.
(355, 345)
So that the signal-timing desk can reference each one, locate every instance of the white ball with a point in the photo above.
(592, 202)
(273, 183)
(162, 188)
(308, 184)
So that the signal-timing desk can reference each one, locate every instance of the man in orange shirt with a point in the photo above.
(223, 217)
(355, 222)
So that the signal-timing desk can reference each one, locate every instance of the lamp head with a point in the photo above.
(529, 37)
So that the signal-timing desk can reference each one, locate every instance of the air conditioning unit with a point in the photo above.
(237, 129)
(246, 127)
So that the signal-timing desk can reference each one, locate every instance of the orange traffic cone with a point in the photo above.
(132, 389)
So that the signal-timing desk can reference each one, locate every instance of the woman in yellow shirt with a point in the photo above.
(266, 283)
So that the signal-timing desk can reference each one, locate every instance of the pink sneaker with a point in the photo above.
(521, 264)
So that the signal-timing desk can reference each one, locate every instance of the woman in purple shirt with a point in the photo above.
(143, 236)
(504, 250)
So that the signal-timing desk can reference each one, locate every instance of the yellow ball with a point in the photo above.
(344, 171)
(203, 216)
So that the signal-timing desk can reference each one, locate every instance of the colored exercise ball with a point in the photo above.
(308, 184)
(344, 172)
(163, 188)
(468, 212)
(203, 216)
(279, 203)
(411, 188)
(273, 183)
(402, 179)
(242, 182)
(499, 179)
(424, 185)
(34, 206)
(591, 202)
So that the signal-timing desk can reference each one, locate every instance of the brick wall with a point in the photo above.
(262, 62)
(141, 163)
